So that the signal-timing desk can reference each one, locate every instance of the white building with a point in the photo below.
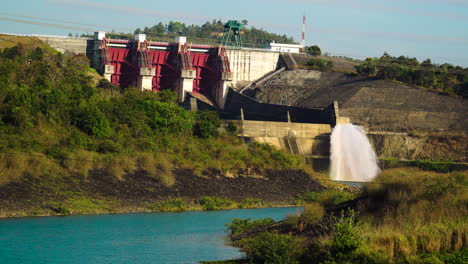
(292, 48)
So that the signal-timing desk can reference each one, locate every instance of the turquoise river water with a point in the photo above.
(186, 237)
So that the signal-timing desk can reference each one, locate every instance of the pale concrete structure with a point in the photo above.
(63, 44)
(145, 79)
(249, 65)
(185, 83)
(223, 88)
(108, 71)
(298, 138)
(278, 47)
(140, 37)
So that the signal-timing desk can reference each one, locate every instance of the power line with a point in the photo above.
(63, 21)
(45, 24)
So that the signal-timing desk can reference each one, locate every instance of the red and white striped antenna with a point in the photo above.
(303, 30)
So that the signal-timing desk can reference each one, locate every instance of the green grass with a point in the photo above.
(173, 205)
(408, 215)
(326, 197)
(82, 205)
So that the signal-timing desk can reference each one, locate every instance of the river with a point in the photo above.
(186, 237)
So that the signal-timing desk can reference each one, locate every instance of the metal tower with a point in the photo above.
(232, 27)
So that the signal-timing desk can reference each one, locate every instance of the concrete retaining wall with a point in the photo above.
(298, 138)
(250, 65)
(73, 45)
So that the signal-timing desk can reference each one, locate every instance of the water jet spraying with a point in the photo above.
(352, 157)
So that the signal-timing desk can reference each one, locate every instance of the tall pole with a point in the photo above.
(303, 31)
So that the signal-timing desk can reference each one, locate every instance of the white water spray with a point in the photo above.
(352, 156)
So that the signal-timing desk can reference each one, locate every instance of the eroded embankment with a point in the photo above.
(104, 193)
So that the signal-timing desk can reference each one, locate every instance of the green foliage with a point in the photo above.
(167, 118)
(109, 146)
(262, 152)
(250, 203)
(173, 205)
(367, 68)
(215, 203)
(92, 121)
(273, 248)
(243, 225)
(319, 64)
(326, 197)
(206, 124)
(445, 78)
(232, 128)
(454, 257)
(313, 50)
(168, 96)
(345, 237)
(78, 139)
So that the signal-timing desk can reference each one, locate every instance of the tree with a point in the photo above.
(313, 50)
(245, 22)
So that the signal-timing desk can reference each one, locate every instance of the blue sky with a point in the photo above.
(435, 29)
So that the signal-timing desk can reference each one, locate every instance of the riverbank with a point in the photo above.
(101, 192)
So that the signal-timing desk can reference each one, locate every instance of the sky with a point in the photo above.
(434, 29)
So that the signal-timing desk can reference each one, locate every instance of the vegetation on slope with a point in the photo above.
(406, 216)
(208, 33)
(51, 111)
(444, 78)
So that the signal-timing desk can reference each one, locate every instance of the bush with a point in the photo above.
(78, 139)
(232, 128)
(174, 205)
(313, 50)
(109, 146)
(242, 225)
(345, 237)
(206, 124)
(250, 203)
(92, 121)
(313, 213)
(326, 198)
(319, 64)
(273, 249)
(215, 203)
(167, 118)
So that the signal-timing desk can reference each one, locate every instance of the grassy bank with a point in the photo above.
(406, 216)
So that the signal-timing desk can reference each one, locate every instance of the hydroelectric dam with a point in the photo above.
(263, 93)
(208, 77)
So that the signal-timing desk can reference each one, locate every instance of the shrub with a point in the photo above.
(326, 197)
(92, 121)
(168, 96)
(250, 203)
(319, 64)
(215, 203)
(78, 139)
(242, 225)
(345, 237)
(206, 124)
(313, 213)
(273, 248)
(313, 50)
(167, 118)
(109, 146)
(173, 205)
(232, 128)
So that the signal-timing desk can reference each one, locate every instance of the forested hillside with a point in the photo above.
(445, 78)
